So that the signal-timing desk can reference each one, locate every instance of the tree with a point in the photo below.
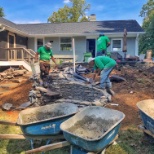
(1, 12)
(147, 12)
(75, 13)
(146, 41)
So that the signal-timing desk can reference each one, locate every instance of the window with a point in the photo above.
(39, 42)
(66, 44)
(117, 45)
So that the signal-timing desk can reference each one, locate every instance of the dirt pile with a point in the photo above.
(91, 127)
(17, 95)
(40, 116)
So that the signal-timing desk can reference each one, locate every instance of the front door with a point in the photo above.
(91, 46)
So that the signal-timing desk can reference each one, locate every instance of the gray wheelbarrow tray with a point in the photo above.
(146, 110)
(93, 145)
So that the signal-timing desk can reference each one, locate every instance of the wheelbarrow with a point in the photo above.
(146, 110)
(42, 122)
(92, 129)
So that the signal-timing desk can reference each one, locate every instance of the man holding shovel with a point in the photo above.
(46, 54)
(105, 65)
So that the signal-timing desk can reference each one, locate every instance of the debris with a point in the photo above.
(131, 92)
(24, 105)
(7, 106)
(116, 78)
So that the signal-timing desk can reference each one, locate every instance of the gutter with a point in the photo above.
(120, 34)
(13, 29)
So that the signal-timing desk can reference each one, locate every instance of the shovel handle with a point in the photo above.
(8, 123)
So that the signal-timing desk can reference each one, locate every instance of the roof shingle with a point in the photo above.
(111, 26)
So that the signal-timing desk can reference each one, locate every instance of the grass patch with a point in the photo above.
(132, 141)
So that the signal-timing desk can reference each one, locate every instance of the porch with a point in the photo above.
(16, 57)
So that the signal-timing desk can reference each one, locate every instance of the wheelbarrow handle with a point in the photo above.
(8, 123)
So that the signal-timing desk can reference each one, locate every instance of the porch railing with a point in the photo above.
(17, 54)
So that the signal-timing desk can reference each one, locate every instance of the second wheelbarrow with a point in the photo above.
(93, 128)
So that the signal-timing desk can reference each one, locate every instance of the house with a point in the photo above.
(28, 37)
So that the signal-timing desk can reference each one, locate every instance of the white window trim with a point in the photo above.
(112, 44)
(66, 43)
(35, 47)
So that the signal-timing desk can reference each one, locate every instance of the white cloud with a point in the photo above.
(66, 1)
(26, 21)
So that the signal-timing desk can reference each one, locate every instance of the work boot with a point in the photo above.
(107, 95)
(110, 91)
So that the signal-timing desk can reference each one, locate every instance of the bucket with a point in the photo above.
(35, 68)
(86, 56)
(149, 54)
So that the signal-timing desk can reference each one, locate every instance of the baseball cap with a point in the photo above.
(48, 44)
(90, 59)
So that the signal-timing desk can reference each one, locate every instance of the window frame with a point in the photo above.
(120, 49)
(60, 43)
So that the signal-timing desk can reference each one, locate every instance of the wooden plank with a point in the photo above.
(146, 131)
(49, 147)
(12, 136)
(22, 136)
(8, 123)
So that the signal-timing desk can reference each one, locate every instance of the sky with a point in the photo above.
(38, 11)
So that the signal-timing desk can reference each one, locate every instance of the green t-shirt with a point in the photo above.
(102, 43)
(45, 54)
(103, 62)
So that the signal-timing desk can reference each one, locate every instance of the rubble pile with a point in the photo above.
(11, 73)
(64, 84)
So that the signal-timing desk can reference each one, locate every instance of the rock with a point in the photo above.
(42, 89)
(17, 80)
(7, 106)
(19, 72)
(24, 105)
(3, 74)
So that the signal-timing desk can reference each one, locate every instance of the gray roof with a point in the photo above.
(111, 26)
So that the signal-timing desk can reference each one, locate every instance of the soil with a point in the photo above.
(40, 116)
(137, 87)
(91, 127)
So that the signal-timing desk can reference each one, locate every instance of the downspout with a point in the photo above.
(136, 44)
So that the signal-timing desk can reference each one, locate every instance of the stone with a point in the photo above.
(42, 89)
(7, 106)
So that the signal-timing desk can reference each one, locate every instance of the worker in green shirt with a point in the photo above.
(46, 54)
(102, 43)
(103, 65)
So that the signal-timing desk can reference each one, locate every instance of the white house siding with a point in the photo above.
(80, 47)
(31, 43)
(130, 46)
